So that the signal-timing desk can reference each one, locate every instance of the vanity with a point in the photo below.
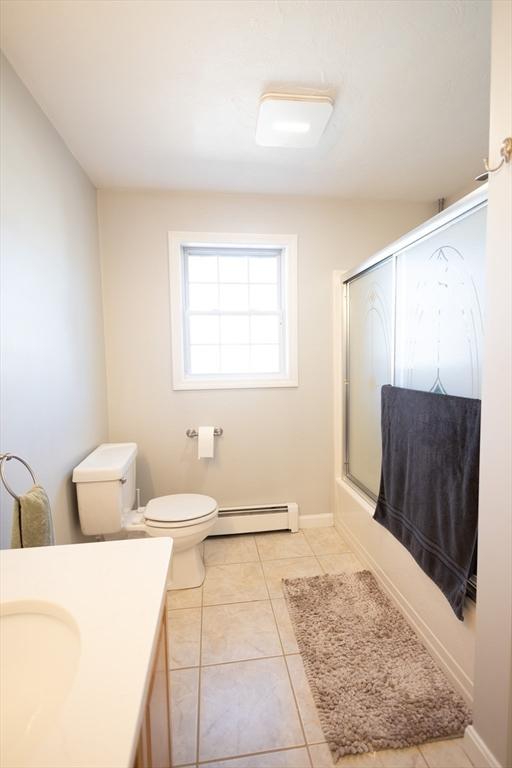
(83, 655)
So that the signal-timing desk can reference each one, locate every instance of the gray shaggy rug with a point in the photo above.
(374, 684)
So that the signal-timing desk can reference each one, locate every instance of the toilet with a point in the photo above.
(105, 486)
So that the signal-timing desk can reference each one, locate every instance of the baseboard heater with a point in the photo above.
(266, 517)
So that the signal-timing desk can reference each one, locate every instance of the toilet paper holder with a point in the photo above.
(218, 432)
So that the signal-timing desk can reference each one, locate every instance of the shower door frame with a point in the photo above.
(346, 371)
(468, 204)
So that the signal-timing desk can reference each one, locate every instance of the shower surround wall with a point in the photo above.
(277, 443)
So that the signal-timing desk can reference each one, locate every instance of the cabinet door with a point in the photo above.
(154, 750)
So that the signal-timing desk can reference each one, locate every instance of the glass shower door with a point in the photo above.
(369, 362)
(439, 318)
(415, 320)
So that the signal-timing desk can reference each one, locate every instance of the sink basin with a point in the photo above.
(39, 655)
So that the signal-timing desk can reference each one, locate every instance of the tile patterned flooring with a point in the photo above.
(239, 693)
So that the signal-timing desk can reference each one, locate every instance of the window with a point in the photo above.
(233, 310)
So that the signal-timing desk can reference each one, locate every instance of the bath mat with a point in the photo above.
(374, 684)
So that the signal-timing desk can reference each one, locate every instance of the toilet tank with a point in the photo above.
(105, 487)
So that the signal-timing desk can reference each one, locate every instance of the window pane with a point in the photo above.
(263, 269)
(265, 358)
(263, 297)
(264, 329)
(234, 329)
(233, 298)
(202, 269)
(232, 269)
(204, 359)
(204, 329)
(203, 297)
(234, 359)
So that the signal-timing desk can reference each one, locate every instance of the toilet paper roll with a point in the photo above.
(205, 443)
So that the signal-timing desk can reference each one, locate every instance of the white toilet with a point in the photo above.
(105, 485)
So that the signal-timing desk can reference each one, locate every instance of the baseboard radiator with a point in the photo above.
(266, 517)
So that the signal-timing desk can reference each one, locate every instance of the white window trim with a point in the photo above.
(288, 243)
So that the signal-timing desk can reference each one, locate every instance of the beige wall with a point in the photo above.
(53, 403)
(277, 443)
(493, 669)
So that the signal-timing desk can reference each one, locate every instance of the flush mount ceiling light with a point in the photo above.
(287, 120)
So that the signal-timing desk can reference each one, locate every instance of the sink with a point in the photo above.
(39, 655)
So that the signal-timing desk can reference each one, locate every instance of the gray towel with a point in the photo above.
(428, 496)
(32, 524)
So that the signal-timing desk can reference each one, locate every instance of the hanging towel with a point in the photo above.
(32, 524)
(428, 496)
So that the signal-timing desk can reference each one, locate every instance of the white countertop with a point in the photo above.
(115, 592)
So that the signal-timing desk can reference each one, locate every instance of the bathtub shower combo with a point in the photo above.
(413, 318)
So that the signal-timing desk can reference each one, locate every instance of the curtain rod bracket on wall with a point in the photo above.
(506, 155)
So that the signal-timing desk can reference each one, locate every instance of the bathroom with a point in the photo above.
(124, 122)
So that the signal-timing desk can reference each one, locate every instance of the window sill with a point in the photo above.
(233, 384)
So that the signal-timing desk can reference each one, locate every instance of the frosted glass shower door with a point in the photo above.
(415, 320)
(369, 367)
(439, 323)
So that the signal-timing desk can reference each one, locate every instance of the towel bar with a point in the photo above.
(7, 457)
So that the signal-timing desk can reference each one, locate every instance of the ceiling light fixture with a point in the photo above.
(291, 126)
(288, 120)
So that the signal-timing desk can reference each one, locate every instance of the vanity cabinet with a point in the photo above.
(154, 749)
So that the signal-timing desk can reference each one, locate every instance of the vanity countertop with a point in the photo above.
(103, 605)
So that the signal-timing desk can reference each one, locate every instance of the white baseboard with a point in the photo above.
(478, 751)
(444, 658)
(325, 520)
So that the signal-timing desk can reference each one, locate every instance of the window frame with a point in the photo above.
(181, 380)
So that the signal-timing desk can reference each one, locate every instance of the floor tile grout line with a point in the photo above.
(250, 754)
(262, 561)
(279, 596)
(206, 763)
(198, 727)
(276, 559)
(288, 673)
(235, 602)
(440, 741)
(236, 661)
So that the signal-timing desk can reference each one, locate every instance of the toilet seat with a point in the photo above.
(179, 510)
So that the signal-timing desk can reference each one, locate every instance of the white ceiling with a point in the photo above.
(164, 93)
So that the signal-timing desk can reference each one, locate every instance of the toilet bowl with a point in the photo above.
(105, 483)
(188, 518)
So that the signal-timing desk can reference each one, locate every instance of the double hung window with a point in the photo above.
(233, 303)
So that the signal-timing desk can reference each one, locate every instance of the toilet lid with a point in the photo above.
(179, 507)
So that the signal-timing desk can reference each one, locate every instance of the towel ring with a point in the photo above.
(7, 457)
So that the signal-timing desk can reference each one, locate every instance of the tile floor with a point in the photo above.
(239, 694)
